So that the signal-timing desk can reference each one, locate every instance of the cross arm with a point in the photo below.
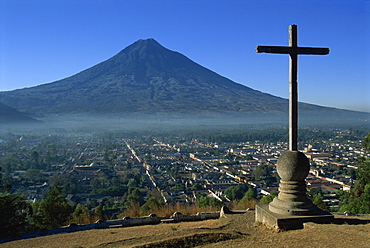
(313, 50)
(274, 49)
(292, 50)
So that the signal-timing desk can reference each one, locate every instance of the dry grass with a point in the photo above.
(238, 230)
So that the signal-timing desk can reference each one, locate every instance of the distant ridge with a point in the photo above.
(145, 77)
(9, 115)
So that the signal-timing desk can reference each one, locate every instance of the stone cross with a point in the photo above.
(293, 50)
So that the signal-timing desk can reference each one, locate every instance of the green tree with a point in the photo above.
(14, 215)
(53, 210)
(268, 198)
(318, 201)
(96, 185)
(35, 156)
(134, 197)
(151, 205)
(33, 176)
(203, 202)
(358, 205)
(213, 202)
(250, 194)
(364, 201)
(80, 215)
(4, 185)
(358, 200)
(363, 175)
(35, 160)
(133, 183)
(235, 192)
(249, 199)
(363, 171)
(98, 213)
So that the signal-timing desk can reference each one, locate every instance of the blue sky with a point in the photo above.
(42, 41)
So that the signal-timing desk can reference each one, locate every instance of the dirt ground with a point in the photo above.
(237, 230)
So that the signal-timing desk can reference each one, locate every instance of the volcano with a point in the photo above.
(145, 77)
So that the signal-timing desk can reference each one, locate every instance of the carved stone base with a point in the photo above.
(289, 222)
(292, 199)
(291, 208)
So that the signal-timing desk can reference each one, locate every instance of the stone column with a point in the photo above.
(293, 168)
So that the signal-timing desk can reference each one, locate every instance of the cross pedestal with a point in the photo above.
(291, 208)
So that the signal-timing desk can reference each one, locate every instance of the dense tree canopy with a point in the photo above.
(235, 192)
(358, 201)
(53, 210)
(14, 213)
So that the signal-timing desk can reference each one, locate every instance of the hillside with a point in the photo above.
(9, 115)
(145, 77)
(238, 230)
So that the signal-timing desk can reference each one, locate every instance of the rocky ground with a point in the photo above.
(237, 230)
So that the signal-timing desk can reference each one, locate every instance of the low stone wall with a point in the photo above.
(195, 217)
(67, 229)
(125, 222)
(149, 220)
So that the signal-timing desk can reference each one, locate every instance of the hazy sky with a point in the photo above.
(43, 41)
